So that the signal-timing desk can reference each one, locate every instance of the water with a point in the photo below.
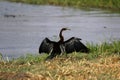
(22, 34)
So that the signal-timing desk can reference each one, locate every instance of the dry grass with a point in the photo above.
(21, 76)
(102, 63)
(102, 68)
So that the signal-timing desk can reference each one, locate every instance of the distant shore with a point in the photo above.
(113, 5)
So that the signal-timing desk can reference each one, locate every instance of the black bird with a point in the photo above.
(56, 48)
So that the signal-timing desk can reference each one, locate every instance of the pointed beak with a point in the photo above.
(68, 29)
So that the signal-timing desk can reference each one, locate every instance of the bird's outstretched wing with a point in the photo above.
(74, 44)
(46, 46)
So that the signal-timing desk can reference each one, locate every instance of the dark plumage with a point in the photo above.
(56, 48)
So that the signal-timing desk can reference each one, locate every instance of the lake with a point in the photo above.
(23, 26)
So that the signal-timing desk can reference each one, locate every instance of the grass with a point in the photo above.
(102, 63)
(104, 4)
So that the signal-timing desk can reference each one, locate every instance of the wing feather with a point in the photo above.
(46, 46)
(74, 44)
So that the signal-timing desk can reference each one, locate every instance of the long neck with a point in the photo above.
(61, 37)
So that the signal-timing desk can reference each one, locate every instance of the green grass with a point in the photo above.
(105, 4)
(102, 63)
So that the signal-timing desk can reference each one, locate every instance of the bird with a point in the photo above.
(56, 48)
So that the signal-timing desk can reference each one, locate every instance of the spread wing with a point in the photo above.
(74, 44)
(46, 46)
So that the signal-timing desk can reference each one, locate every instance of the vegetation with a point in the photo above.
(102, 63)
(105, 4)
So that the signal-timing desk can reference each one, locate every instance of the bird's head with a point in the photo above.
(64, 29)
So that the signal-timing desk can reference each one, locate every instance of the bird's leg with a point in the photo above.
(51, 56)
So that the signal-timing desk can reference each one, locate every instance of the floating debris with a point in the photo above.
(6, 15)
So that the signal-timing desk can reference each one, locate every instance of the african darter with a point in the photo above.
(56, 48)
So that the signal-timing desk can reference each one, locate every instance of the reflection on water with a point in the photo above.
(23, 26)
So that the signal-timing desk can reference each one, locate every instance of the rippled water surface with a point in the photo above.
(23, 26)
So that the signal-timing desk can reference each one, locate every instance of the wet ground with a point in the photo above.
(23, 26)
